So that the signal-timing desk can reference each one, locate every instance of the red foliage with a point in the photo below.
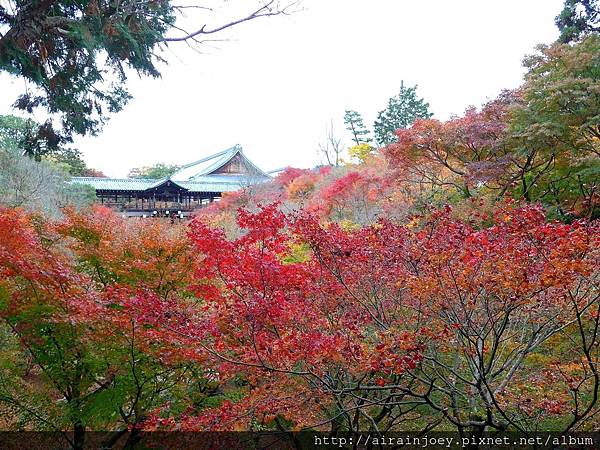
(290, 174)
(88, 172)
(377, 304)
(300, 319)
(471, 146)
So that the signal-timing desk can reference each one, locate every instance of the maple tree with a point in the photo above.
(65, 289)
(428, 325)
(459, 152)
(432, 322)
(38, 292)
(502, 292)
(557, 125)
(351, 197)
(538, 143)
(449, 281)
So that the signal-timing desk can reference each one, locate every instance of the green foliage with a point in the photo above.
(41, 186)
(12, 132)
(555, 128)
(578, 19)
(19, 135)
(355, 125)
(155, 172)
(78, 195)
(402, 110)
(74, 56)
(71, 160)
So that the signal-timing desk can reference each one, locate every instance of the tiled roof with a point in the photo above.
(114, 184)
(196, 177)
(206, 184)
(205, 166)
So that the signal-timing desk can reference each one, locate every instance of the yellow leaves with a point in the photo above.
(348, 225)
(298, 253)
(413, 223)
(360, 151)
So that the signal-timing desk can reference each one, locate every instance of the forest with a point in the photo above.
(442, 277)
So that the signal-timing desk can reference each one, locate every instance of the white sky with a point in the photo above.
(275, 85)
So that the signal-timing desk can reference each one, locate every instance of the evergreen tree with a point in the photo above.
(28, 137)
(74, 55)
(401, 112)
(71, 159)
(355, 125)
(578, 19)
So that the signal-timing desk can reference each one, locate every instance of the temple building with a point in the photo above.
(192, 186)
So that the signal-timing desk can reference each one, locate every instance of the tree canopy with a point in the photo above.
(448, 281)
(578, 19)
(355, 125)
(156, 171)
(76, 56)
(19, 136)
(402, 110)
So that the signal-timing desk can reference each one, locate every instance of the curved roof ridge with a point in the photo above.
(207, 158)
(161, 181)
(205, 166)
(223, 159)
(258, 169)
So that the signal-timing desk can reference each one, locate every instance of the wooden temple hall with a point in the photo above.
(193, 186)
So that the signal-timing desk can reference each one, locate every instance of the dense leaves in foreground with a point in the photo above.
(449, 281)
(438, 323)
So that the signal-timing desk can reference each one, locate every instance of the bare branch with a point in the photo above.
(271, 8)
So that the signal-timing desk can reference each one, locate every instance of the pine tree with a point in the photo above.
(578, 19)
(401, 112)
(355, 125)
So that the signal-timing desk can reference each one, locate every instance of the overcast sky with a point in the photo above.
(274, 86)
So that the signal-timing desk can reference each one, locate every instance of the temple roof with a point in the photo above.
(206, 184)
(213, 163)
(226, 171)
